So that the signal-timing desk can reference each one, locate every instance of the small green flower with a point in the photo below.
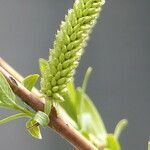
(68, 47)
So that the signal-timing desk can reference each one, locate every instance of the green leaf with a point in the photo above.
(13, 117)
(33, 129)
(6, 94)
(70, 101)
(89, 118)
(43, 63)
(112, 142)
(30, 81)
(119, 127)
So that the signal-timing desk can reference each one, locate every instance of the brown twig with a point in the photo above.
(63, 128)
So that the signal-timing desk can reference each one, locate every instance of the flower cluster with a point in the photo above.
(68, 47)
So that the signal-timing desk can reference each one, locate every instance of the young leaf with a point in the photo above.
(86, 78)
(6, 94)
(149, 145)
(70, 101)
(120, 126)
(30, 81)
(89, 118)
(13, 117)
(41, 118)
(33, 129)
(112, 142)
(84, 86)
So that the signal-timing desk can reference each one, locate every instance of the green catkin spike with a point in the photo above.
(68, 47)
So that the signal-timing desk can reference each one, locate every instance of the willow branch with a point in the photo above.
(57, 123)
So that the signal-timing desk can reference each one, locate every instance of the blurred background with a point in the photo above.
(118, 51)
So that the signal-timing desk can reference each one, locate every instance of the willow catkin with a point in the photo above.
(68, 47)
